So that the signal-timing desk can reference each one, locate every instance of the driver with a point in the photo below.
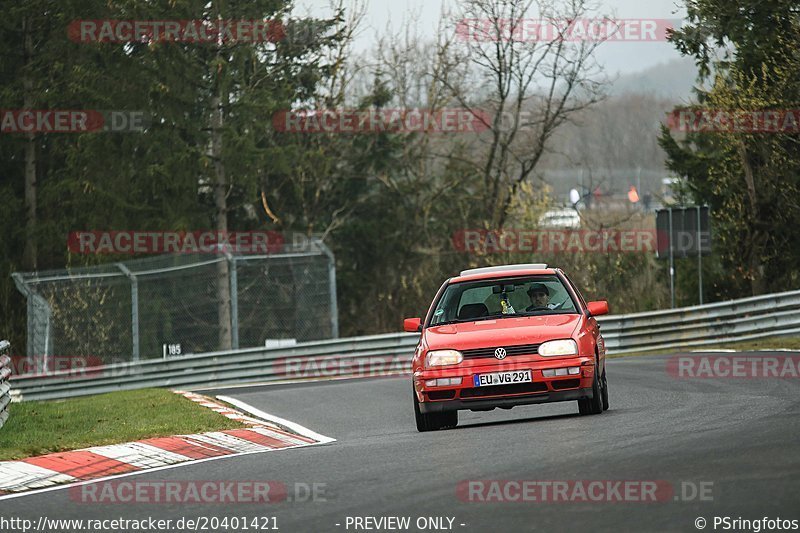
(540, 297)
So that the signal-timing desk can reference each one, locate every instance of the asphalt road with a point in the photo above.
(739, 438)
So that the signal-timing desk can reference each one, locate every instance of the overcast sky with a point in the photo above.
(618, 57)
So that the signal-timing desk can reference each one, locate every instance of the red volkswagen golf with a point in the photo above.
(506, 336)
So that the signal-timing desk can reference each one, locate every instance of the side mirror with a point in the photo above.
(598, 308)
(412, 325)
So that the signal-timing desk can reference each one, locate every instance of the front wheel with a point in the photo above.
(433, 421)
(593, 405)
(604, 385)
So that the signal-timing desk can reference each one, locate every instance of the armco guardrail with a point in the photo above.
(373, 355)
(749, 318)
(734, 320)
(5, 388)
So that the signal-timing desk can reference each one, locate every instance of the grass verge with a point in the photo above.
(769, 343)
(37, 428)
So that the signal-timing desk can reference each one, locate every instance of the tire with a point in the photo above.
(433, 421)
(604, 386)
(593, 405)
(449, 419)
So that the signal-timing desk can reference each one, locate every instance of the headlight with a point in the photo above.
(443, 358)
(562, 347)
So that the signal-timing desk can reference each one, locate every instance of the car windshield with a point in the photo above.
(514, 297)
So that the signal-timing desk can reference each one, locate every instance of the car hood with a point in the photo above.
(502, 332)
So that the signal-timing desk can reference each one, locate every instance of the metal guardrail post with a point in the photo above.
(699, 258)
(332, 284)
(671, 264)
(35, 301)
(24, 289)
(234, 279)
(5, 388)
(134, 309)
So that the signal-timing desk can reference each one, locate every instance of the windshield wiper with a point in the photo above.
(543, 312)
(476, 319)
(454, 321)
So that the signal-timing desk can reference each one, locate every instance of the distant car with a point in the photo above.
(507, 336)
(563, 218)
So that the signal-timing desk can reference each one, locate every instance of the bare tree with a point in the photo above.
(424, 75)
(309, 197)
(530, 84)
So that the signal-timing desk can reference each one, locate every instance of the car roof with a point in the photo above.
(503, 274)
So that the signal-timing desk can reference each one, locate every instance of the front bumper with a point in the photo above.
(541, 390)
(504, 402)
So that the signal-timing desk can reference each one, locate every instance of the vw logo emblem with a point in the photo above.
(500, 353)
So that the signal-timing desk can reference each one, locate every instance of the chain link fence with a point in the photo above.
(145, 308)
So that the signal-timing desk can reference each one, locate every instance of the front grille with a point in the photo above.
(511, 351)
(565, 384)
(442, 395)
(500, 390)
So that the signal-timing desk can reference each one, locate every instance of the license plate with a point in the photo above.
(502, 378)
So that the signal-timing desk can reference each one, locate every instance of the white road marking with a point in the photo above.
(297, 428)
